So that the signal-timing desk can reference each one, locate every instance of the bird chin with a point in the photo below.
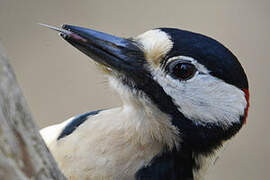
(118, 81)
(121, 83)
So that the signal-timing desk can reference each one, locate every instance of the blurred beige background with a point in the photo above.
(59, 81)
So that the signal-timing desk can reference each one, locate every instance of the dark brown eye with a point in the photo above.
(182, 70)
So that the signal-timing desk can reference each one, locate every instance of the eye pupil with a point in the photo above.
(183, 71)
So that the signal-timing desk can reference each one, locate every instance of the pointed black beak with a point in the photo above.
(122, 55)
(117, 53)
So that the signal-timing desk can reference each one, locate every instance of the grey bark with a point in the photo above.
(23, 154)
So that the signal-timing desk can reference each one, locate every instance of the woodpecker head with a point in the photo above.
(192, 78)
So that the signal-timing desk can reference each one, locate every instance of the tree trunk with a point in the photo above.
(23, 154)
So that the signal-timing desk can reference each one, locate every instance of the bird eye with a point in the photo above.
(181, 70)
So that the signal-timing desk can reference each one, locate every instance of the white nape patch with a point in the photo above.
(203, 98)
(155, 44)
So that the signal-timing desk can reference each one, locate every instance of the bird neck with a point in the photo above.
(149, 121)
(180, 156)
(176, 157)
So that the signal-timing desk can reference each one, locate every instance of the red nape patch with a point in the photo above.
(246, 109)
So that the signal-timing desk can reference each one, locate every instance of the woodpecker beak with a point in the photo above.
(117, 54)
(114, 52)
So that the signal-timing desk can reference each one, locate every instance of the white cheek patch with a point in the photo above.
(155, 44)
(204, 98)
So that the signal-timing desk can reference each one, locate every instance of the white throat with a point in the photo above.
(147, 119)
